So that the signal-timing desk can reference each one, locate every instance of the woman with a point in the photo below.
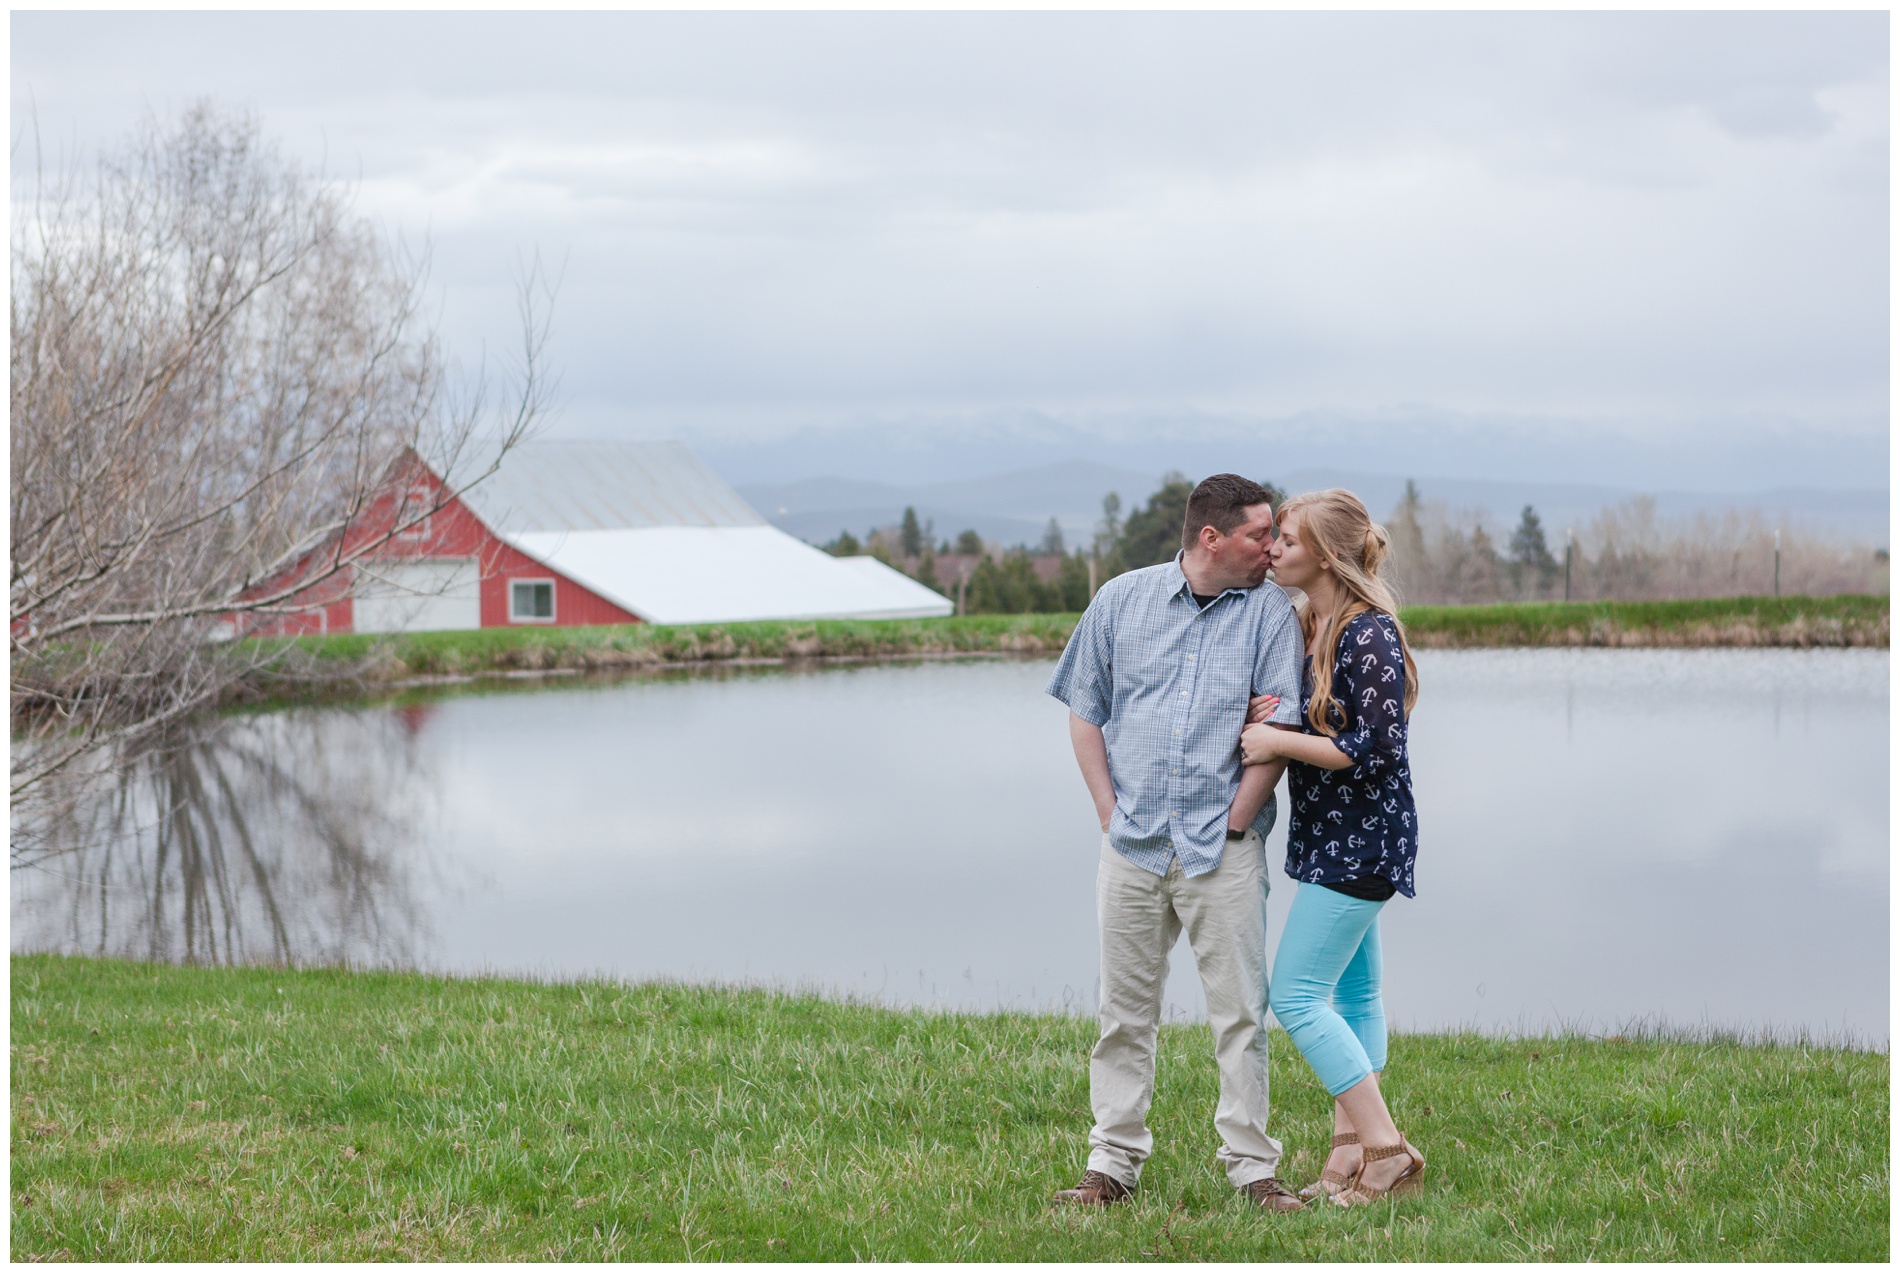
(1352, 836)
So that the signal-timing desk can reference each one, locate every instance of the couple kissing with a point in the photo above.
(1192, 687)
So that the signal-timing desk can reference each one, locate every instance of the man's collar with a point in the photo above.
(1186, 585)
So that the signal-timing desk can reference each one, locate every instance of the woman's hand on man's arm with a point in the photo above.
(1260, 744)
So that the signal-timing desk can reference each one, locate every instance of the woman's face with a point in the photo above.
(1294, 566)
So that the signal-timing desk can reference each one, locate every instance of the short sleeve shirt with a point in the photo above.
(1168, 683)
(1359, 821)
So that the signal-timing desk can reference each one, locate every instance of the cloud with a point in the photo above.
(1666, 216)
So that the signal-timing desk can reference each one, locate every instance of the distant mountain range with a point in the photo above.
(1008, 508)
(1014, 507)
(1717, 456)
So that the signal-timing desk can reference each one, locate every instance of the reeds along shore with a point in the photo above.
(1744, 622)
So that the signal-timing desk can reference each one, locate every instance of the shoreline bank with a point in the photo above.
(357, 664)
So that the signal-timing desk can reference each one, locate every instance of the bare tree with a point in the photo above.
(1627, 552)
(1441, 556)
(216, 365)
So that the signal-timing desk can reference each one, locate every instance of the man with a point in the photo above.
(1157, 677)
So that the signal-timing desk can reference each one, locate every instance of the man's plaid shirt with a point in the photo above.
(1168, 683)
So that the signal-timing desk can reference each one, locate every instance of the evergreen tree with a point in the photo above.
(970, 544)
(1532, 567)
(1052, 545)
(927, 571)
(1072, 585)
(1011, 586)
(910, 537)
(1022, 590)
(1152, 535)
(845, 545)
(984, 593)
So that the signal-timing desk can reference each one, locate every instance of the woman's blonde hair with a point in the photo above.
(1338, 530)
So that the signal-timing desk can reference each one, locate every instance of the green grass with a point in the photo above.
(642, 645)
(1721, 621)
(177, 1114)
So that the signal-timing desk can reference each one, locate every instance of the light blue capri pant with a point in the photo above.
(1325, 987)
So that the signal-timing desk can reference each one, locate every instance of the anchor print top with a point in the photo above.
(1360, 821)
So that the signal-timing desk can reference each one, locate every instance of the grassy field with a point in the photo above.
(178, 1114)
(1722, 621)
(1734, 621)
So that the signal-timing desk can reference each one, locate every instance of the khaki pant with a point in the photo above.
(1141, 916)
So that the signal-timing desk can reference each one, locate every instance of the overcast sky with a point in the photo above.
(772, 219)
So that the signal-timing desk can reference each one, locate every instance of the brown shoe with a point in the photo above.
(1269, 1194)
(1095, 1189)
(1331, 1182)
(1411, 1180)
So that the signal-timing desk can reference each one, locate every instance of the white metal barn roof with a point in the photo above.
(728, 574)
(602, 486)
(649, 527)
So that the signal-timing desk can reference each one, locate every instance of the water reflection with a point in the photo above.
(294, 838)
(1611, 835)
(1692, 837)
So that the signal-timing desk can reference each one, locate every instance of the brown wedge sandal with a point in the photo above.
(1411, 1180)
(1331, 1182)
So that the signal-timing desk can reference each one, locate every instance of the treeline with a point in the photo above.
(1625, 553)
(1439, 556)
(1049, 578)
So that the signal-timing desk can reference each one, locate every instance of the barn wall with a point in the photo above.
(453, 531)
(330, 608)
(574, 605)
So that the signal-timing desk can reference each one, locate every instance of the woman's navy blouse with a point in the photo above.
(1350, 823)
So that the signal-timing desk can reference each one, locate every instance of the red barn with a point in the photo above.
(572, 533)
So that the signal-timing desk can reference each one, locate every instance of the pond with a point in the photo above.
(1610, 838)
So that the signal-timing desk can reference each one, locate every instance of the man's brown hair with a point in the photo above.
(1221, 501)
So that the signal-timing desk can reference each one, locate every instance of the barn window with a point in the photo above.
(531, 601)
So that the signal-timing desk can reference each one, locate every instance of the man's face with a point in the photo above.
(1241, 556)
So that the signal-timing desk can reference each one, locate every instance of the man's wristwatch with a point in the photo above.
(1233, 835)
